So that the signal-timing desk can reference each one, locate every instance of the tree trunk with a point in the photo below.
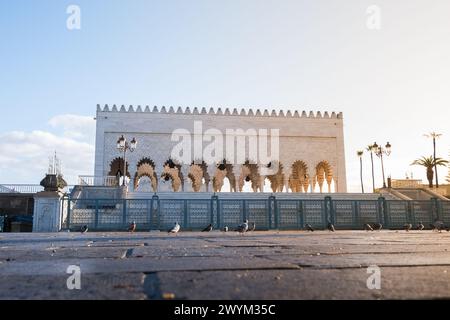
(430, 175)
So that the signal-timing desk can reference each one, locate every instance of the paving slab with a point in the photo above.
(217, 265)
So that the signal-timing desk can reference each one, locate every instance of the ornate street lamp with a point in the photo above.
(379, 151)
(124, 146)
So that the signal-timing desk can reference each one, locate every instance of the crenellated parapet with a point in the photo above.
(220, 111)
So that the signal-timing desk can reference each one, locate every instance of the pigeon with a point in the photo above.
(331, 227)
(377, 226)
(252, 227)
(225, 229)
(176, 227)
(420, 226)
(84, 229)
(208, 228)
(243, 227)
(407, 227)
(367, 227)
(437, 225)
(132, 227)
(309, 227)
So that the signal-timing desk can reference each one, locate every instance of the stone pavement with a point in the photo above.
(216, 265)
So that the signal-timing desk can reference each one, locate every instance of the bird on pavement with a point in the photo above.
(208, 228)
(437, 225)
(331, 227)
(132, 227)
(377, 226)
(367, 227)
(420, 226)
(243, 227)
(225, 229)
(176, 227)
(84, 229)
(252, 227)
(309, 227)
(407, 227)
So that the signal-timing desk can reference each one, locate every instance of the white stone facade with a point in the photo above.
(311, 148)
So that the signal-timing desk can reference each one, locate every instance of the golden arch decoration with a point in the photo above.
(299, 179)
(324, 173)
(198, 173)
(116, 169)
(276, 179)
(172, 171)
(249, 173)
(146, 168)
(224, 170)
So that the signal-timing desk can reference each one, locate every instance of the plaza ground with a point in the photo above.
(216, 265)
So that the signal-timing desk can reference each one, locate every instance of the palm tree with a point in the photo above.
(370, 148)
(448, 176)
(360, 153)
(430, 163)
(434, 136)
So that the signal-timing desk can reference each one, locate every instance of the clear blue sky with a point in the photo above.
(392, 84)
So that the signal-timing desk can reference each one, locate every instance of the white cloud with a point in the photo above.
(25, 154)
(75, 126)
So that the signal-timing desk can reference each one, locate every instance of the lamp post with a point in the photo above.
(379, 151)
(434, 136)
(360, 155)
(124, 146)
(370, 148)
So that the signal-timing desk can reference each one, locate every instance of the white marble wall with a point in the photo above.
(309, 137)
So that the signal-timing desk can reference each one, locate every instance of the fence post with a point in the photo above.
(329, 215)
(185, 214)
(383, 217)
(149, 213)
(68, 212)
(300, 222)
(124, 212)
(356, 214)
(214, 212)
(96, 214)
(411, 216)
(435, 210)
(244, 207)
(155, 212)
(272, 214)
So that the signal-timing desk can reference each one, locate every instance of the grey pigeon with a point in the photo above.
(252, 227)
(407, 227)
(132, 227)
(84, 229)
(176, 227)
(208, 228)
(243, 227)
(309, 227)
(367, 227)
(377, 226)
(420, 226)
(438, 225)
(330, 227)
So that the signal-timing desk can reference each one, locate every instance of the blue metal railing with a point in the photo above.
(271, 213)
